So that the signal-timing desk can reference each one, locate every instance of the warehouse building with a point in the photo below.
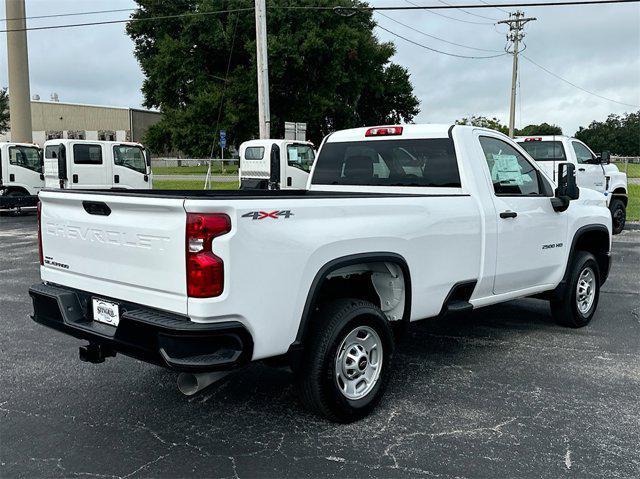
(54, 119)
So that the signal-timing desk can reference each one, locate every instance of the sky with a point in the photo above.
(596, 47)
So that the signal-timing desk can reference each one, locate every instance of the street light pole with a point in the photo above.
(264, 115)
(18, 63)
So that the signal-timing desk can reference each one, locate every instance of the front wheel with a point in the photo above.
(618, 215)
(579, 301)
(346, 364)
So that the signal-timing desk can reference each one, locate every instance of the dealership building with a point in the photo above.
(54, 119)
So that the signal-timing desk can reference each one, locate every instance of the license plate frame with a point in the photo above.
(105, 311)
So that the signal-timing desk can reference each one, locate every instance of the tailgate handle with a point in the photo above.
(96, 208)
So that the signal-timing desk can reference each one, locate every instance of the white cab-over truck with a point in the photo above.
(21, 175)
(275, 164)
(86, 164)
(592, 171)
(399, 224)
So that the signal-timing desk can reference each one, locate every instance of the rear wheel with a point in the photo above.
(580, 298)
(346, 364)
(618, 215)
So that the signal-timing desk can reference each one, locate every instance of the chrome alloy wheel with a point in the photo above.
(358, 362)
(586, 290)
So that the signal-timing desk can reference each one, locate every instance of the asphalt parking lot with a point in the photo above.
(503, 392)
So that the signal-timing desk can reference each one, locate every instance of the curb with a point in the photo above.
(632, 226)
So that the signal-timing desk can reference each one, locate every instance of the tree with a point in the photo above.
(541, 129)
(4, 110)
(618, 134)
(484, 122)
(324, 69)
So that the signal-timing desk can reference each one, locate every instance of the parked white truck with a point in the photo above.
(86, 164)
(21, 175)
(275, 164)
(399, 224)
(593, 171)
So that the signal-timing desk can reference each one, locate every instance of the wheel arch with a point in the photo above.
(621, 194)
(334, 265)
(596, 240)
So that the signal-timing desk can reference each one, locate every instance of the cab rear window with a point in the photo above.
(420, 162)
(544, 150)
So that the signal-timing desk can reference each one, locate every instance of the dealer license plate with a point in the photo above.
(106, 312)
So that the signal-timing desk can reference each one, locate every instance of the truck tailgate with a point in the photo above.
(130, 248)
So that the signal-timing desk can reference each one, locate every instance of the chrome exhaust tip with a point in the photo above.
(190, 383)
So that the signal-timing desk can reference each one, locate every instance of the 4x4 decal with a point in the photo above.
(260, 215)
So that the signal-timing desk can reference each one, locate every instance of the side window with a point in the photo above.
(254, 153)
(300, 156)
(511, 173)
(131, 157)
(26, 157)
(51, 151)
(87, 154)
(583, 154)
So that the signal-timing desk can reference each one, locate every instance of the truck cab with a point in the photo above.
(275, 164)
(85, 164)
(20, 169)
(592, 171)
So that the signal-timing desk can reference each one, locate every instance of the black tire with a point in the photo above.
(566, 310)
(16, 193)
(316, 376)
(618, 215)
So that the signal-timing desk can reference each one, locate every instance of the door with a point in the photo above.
(88, 168)
(129, 167)
(25, 168)
(589, 174)
(297, 164)
(531, 236)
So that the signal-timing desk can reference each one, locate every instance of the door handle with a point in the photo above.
(508, 214)
(75, 178)
(116, 178)
(581, 169)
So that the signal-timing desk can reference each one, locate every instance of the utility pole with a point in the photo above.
(516, 24)
(264, 115)
(18, 62)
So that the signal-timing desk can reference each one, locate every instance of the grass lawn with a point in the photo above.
(633, 170)
(192, 185)
(633, 208)
(194, 170)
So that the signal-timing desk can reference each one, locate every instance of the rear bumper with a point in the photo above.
(18, 201)
(154, 336)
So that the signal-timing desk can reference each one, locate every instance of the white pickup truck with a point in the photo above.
(399, 224)
(275, 164)
(87, 164)
(21, 175)
(592, 171)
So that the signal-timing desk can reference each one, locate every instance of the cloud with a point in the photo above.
(596, 47)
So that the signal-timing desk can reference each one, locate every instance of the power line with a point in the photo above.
(109, 22)
(435, 37)
(577, 86)
(448, 17)
(497, 8)
(71, 14)
(469, 13)
(438, 51)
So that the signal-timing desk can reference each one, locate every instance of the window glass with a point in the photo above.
(26, 157)
(130, 157)
(511, 173)
(51, 151)
(545, 150)
(583, 154)
(428, 162)
(87, 154)
(254, 153)
(300, 156)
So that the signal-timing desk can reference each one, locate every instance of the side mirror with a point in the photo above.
(62, 162)
(605, 157)
(567, 188)
(147, 155)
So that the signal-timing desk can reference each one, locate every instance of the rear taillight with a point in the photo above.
(205, 270)
(384, 131)
(40, 233)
